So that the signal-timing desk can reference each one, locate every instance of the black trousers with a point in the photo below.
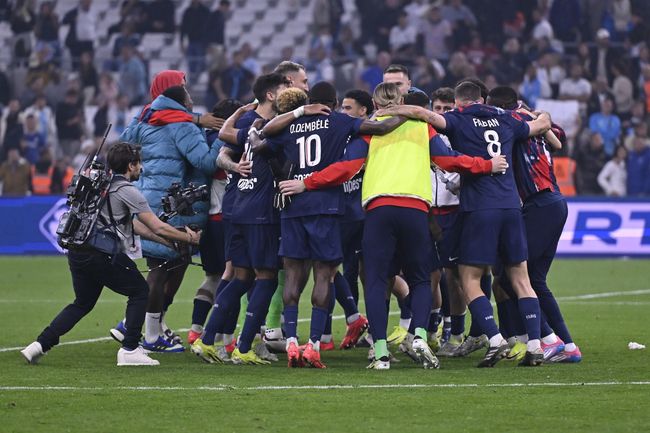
(91, 271)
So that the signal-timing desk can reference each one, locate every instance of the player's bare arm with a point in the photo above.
(162, 229)
(275, 126)
(416, 113)
(540, 125)
(381, 127)
(226, 160)
(228, 132)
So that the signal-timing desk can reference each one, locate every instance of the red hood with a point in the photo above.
(164, 80)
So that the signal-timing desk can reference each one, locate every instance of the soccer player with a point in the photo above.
(255, 233)
(92, 269)
(295, 73)
(492, 222)
(544, 212)
(310, 223)
(396, 226)
(212, 241)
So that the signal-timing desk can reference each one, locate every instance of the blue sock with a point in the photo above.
(530, 314)
(200, 311)
(457, 324)
(291, 320)
(475, 329)
(258, 306)
(486, 285)
(318, 319)
(344, 295)
(551, 310)
(434, 321)
(544, 327)
(445, 308)
(483, 314)
(223, 304)
(405, 307)
(332, 304)
(518, 326)
(505, 322)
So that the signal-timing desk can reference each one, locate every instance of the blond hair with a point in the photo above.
(386, 95)
(290, 99)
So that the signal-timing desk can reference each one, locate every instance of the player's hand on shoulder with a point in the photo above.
(211, 122)
(499, 164)
(317, 109)
(292, 187)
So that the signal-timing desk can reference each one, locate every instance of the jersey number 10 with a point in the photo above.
(310, 151)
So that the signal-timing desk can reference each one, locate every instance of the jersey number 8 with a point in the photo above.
(494, 145)
(310, 151)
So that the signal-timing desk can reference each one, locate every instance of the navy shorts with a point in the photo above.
(255, 246)
(351, 236)
(315, 237)
(211, 248)
(491, 235)
(227, 234)
(451, 225)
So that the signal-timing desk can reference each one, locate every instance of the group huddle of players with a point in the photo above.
(437, 221)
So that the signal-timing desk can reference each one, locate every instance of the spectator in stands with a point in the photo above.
(127, 36)
(235, 81)
(320, 66)
(88, 147)
(15, 175)
(69, 123)
(133, 76)
(108, 90)
(458, 68)
(640, 130)
(576, 87)
(622, 89)
(11, 127)
(603, 56)
(39, 66)
(374, 74)
(600, 91)
(82, 32)
(621, 11)
(646, 87)
(584, 58)
(161, 16)
(46, 30)
(435, 31)
(89, 77)
(402, 36)
(510, 68)
(61, 176)
(216, 30)
(33, 142)
(5, 88)
(41, 171)
(613, 177)
(638, 169)
(532, 88)
(23, 19)
(135, 13)
(542, 28)
(193, 37)
(462, 20)
(250, 59)
(386, 19)
(549, 71)
(44, 119)
(427, 74)
(590, 159)
(565, 18)
(607, 124)
(478, 53)
(346, 49)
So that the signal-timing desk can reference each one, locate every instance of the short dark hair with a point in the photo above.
(444, 94)
(417, 98)
(226, 108)
(267, 83)
(120, 155)
(323, 93)
(177, 93)
(398, 68)
(503, 97)
(467, 91)
(287, 66)
(481, 85)
(363, 98)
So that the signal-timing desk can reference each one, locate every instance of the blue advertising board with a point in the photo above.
(595, 227)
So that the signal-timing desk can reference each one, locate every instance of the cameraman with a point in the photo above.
(92, 269)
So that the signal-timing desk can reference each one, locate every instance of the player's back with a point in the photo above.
(486, 131)
(311, 143)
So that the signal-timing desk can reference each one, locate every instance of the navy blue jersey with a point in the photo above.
(533, 167)
(352, 193)
(311, 143)
(244, 122)
(254, 198)
(486, 131)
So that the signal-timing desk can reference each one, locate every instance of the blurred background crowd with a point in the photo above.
(70, 67)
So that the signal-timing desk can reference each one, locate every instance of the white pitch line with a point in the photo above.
(321, 387)
(561, 298)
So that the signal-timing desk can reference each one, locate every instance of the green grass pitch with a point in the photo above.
(78, 388)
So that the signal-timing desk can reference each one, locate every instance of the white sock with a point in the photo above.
(512, 341)
(369, 339)
(523, 338)
(218, 338)
(292, 340)
(152, 327)
(496, 340)
(570, 347)
(315, 345)
(353, 318)
(227, 338)
(197, 328)
(326, 338)
(446, 319)
(405, 323)
(550, 338)
(456, 338)
(533, 345)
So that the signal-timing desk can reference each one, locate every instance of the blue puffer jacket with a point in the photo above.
(176, 152)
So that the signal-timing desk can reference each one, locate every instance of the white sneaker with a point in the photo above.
(378, 364)
(263, 352)
(33, 352)
(136, 356)
(472, 344)
(406, 347)
(424, 354)
(275, 340)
